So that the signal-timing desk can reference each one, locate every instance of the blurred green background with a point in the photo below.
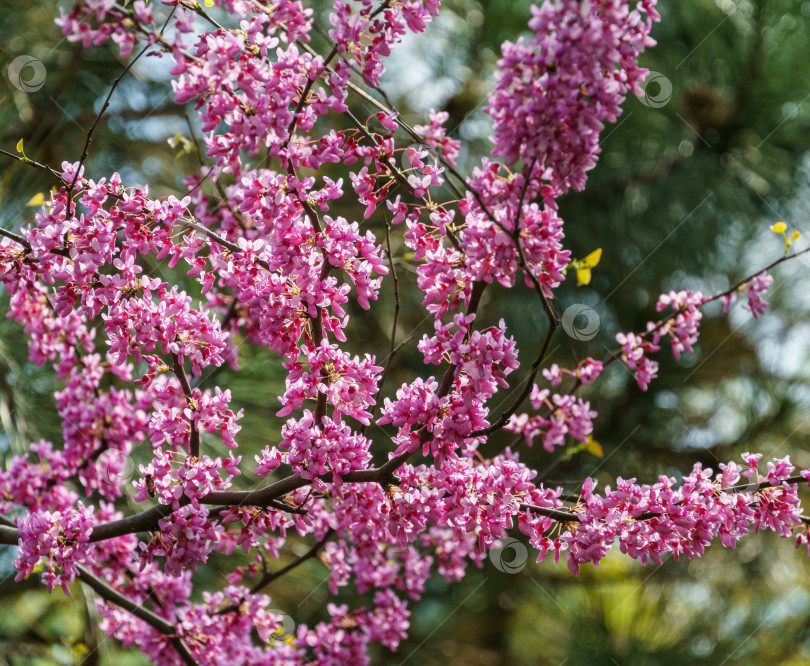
(682, 198)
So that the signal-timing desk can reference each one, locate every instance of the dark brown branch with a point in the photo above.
(527, 388)
(393, 350)
(233, 247)
(36, 165)
(269, 577)
(112, 595)
(568, 516)
(312, 552)
(104, 107)
(17, 239)
(194, 437)
(302, 101)
(614, 355)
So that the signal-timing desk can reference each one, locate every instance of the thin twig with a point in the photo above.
(392, 351)
(99, 116)
(527, 389)
(269, 577)
(35, 164)
(194, 438)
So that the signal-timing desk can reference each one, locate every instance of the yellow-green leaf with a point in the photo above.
(594, 447)
(592, 260)
(209, 3)
(20, 147)
(583, 276)
(36, 200)
(779, 227)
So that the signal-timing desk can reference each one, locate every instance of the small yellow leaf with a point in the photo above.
(583, 276)
(592, 260)
(20, 147)
(779, 227)
(594, 447)
(209, 3)
(36, 200)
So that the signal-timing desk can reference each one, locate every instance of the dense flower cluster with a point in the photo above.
(754, 289)
(554, 93)
(268, 261)
(62, 537)
(566, 416)
(650, 521)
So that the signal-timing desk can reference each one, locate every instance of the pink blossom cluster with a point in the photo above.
(109, 23)
(486, 357)
(664, 518)
(314, 451)
(566, 416)
(176, 482)
(635, 352)
(586, 372)
(554, 93)
(755, 288)
(682, 327)
(165, 323)
(435, 136)
(174, 414)
(364, 35)
(60, 536)
(347, 383)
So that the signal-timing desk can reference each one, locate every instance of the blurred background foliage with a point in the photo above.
(682, 198)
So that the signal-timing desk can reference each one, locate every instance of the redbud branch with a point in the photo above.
(8, 535)
(396, 173)
(112, 595)
(269, 577)
(615, 356)
(104, 107)
(527, 389)
(8, 523)
(148, 520)
(452, 170)
(17, 239)
(773, 264)
(223, 198)
(526, 181)
(197, 9)
(392, 351)
(233, 247)
(383, 6)
(33, 163)
(312, 552)
(382, 474)
(194, 438)
(157, 36)
(389, 110)
(567, 516)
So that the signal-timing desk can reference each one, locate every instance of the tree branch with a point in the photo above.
(194, 438)
(112, 595)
